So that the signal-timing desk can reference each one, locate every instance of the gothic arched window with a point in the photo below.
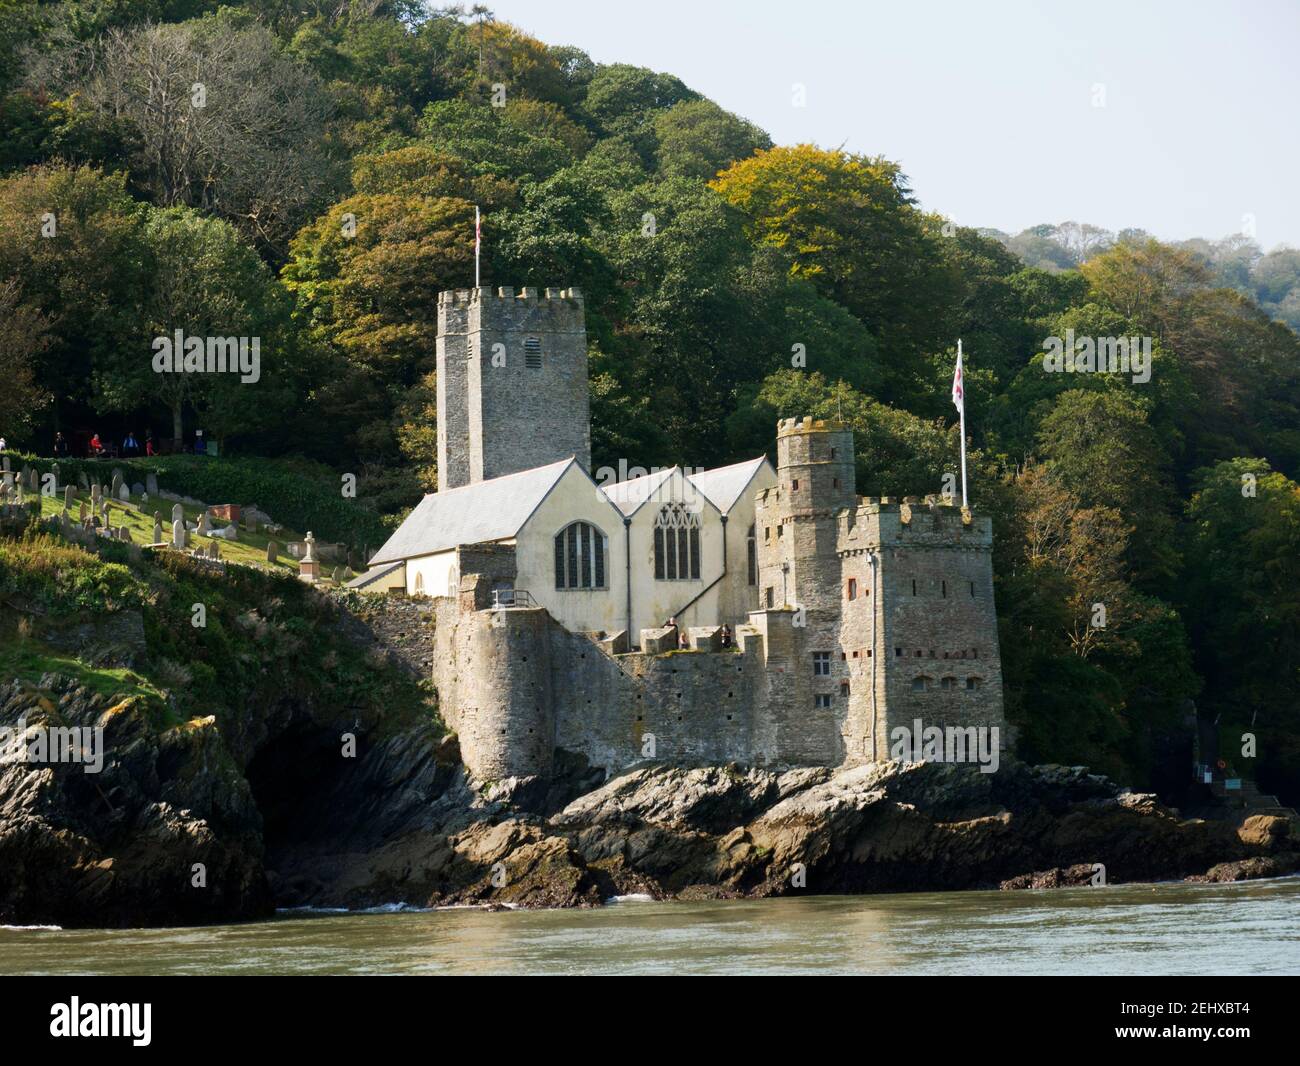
(580, 550)
(677, 543)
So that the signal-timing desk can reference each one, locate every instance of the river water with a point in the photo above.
(1247, 928)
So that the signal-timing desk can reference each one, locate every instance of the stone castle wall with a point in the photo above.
(510, 677)
(881, 613)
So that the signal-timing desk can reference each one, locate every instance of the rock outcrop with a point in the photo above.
(272, 816)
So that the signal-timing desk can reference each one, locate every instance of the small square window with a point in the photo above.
(822, 701)
(794, 485)
(821, 663)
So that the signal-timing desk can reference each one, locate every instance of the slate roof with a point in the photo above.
(722, 487)
(627, 496)
(485, 511)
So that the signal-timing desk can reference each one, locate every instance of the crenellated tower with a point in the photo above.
(512, 382)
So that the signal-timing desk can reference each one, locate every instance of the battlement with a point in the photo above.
(913, 521)
(528, 294)
(788, 426)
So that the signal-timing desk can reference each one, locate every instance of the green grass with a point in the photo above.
(250, 549)
(29, 660)
(298, 494)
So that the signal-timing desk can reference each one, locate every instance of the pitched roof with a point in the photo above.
(375, 574)
(628, 496)
(722, 487)
(483, 511)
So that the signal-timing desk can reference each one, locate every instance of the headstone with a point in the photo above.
(7, 482)
(116, 485)
(178, 513)
(33, 480)
(124, 533)
(157, 529)
(5, 460)
(96, 494)
(83, 512)
(124, 494)
(308, 567)
(214, 550)
(83, 481)
(179, 534)
(338, 575)
(137, 489)
(68, 498)
(272, 551)
(151, 483)
(204, 529)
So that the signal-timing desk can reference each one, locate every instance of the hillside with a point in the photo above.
(320, 191)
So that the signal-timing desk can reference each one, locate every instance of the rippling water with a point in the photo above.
(1249, 928)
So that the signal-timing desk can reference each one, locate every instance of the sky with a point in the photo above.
(1180, 118)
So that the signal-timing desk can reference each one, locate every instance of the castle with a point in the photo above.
(851, 615)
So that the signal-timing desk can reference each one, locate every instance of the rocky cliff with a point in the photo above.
(294, 762)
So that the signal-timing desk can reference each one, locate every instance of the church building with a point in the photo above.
(514, 465)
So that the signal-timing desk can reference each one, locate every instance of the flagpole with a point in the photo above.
(478, 241)
(962, 411)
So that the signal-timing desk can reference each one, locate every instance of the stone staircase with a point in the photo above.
(1248, 798)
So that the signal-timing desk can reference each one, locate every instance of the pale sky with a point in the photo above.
(990, 107)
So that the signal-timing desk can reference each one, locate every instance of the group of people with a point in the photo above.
(684, 642)
(101, 447)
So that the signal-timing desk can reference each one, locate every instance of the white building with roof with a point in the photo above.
(600, 557)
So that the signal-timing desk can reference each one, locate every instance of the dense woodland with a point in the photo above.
(307, 173)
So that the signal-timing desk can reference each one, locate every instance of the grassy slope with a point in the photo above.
(268, 638)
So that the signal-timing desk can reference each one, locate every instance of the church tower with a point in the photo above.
(512, 382)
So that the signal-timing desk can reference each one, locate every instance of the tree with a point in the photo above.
(75, 237)
(1099, 446)
(1243, 596)
(846, 223)
(697, 139)
(220, 119)
(24, 335)
(206, 281)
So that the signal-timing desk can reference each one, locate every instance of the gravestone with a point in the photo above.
(272, 551)
(124, 494)
(178, 513)
(151, 483)
(308, 567)
(83, 512)
(157, 528)
(68, 498)
(338, 575)
(179, 534)
(83, 481)
(5, 460)
(214, 550)
(124, 534)
(33, 480)
(116, 485)
(204, 529)
(96, 494)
